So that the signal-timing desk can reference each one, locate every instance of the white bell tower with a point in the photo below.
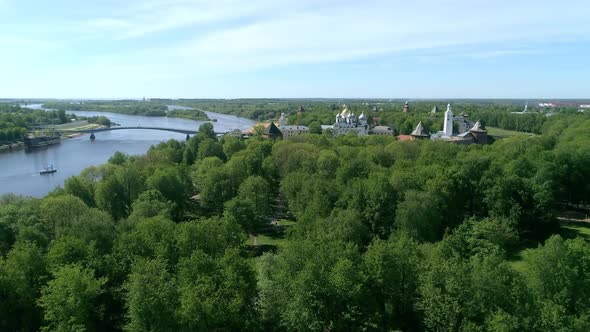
(448, 125)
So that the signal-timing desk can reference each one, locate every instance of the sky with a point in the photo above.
(295, 49)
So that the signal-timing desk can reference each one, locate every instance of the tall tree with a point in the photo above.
(152, 297)
(70, 300)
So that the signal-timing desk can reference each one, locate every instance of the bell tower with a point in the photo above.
(448, 125)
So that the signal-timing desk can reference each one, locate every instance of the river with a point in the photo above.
(19, 170)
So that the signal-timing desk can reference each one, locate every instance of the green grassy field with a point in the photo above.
(493, 131)
(568, 230)
(273, 237)
(517, 261)
(265, 240)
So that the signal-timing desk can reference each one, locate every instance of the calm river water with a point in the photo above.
(19, 170)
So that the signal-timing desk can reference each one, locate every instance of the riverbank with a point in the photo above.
(78, 125)
(64, 128)
(12, 146)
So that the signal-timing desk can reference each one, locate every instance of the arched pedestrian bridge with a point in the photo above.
(98, 130)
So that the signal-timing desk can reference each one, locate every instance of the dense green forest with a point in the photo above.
(382, 235)
(15, 121)
(131, 107)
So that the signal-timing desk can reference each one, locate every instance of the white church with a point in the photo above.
(347, 122)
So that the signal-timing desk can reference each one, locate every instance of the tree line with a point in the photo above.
(314, 113)
(388, 235)
(15, 121)
(131, 107)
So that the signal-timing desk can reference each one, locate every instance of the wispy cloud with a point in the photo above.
(191, 41)
(142, 19)
(359, 30)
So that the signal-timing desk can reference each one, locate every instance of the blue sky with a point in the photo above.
(295, 48)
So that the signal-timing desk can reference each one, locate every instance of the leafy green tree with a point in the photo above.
(520, 200)
(151, 203)
(22, 274)
(60, 211)
(191, 150)
(67, 250)
(243, 212)
(172, 183)
(93, 227)
(116, 193)
(80, 187)
(211, 236)
(211, 148)
(232, 145)
(213, 184)
(375, 199)
(465, 294)
(257, 190)
(558, 273)
(419, 216)
(152, 297)
(314, 286)
(70, 301)
(206, 131)
(392, 268)
(482, 237)
(315, 128)
(328, 163)
(342, 225)
(119, 158)
(216, 294)
(110, 197)
(290, 157)
(148, 238)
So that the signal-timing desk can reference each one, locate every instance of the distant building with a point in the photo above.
(405, 138)
(448, 124)
(381, 130)
(272, 132)
(434, 110)
(420, 132)
(376, 121)
(476, 134)
(290, 131)
(462, 123)
(346, 122)
(406, 107)
(525, 111)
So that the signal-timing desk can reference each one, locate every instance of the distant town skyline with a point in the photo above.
(448, 49)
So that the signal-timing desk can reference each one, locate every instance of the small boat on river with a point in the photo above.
(49, 170)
